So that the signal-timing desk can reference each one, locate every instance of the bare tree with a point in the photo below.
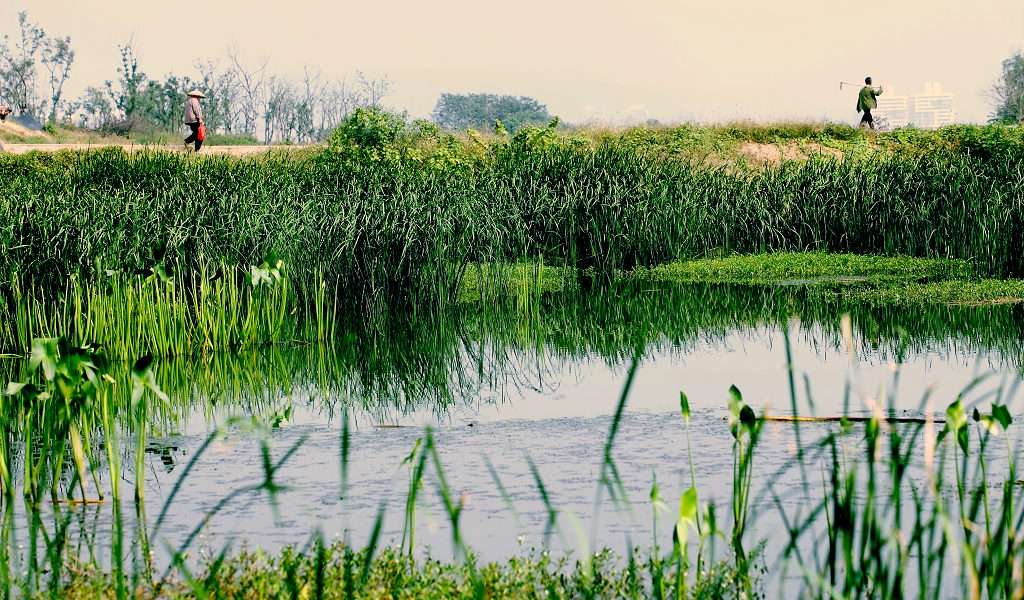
(338, 102)
(222, 96)
(248, 82)
(375, 90)
(281, 111)
(1007, 94)
(309, 104)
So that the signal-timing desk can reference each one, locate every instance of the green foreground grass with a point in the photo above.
(336, 572)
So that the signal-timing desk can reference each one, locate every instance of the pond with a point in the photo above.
(519, 408)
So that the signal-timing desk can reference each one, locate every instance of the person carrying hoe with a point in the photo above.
(194, 118)
(866, 101)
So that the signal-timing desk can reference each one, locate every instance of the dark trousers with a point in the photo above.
(194, 136)
(867, 118)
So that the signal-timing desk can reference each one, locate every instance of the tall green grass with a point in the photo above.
(391, 224)
(128, 315)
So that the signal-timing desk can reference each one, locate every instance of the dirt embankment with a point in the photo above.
(231, 150)
(17, 139)
(759, 154)
(11, 132)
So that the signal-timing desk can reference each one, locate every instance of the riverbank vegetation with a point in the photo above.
(392, 216)
(318, 572)
(386, 196)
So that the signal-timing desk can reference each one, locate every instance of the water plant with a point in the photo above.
(210, 310)
(869, 530)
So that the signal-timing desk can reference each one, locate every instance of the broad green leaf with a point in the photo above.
(142, 365)
(44, 353)
(14, 389)
(747, 416)
(956, 423)
(735, 397)
(871, 431)
(679, 536)
(163, 273)
(67, 389)
(1002, 414)
(990, 424)
(735, 406)
(961, 438)
(956, 415)
(688, 505)
(684, 406)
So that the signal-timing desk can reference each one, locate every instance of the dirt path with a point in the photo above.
(232, 150)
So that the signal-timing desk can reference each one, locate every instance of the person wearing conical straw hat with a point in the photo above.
(194, 118)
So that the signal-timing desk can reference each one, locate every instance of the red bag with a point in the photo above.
(202, 132)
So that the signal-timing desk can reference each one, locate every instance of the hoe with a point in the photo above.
(842, 83)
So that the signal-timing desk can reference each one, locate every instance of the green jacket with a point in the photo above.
(866, 99)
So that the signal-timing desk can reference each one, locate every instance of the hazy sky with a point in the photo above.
(707, 60)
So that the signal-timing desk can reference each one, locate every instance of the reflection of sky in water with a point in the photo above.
(544, 387)
(556, 410)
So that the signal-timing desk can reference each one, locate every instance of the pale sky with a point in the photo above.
(672, 60)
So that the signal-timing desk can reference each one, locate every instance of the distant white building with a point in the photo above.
(934, 108)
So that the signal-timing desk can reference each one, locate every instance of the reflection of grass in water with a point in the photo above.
(167, 316)
(511, 342)
(886, 522)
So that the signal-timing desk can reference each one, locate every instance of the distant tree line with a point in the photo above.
(243, 97)
(480, 111)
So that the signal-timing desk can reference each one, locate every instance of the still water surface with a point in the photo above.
(540, 385)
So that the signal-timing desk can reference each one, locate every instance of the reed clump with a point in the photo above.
(211, 310)
(395, 213)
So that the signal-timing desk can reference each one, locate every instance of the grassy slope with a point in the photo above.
(875, 279)
(744, 142)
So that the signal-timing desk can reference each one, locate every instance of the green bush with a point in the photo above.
(371, 128)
